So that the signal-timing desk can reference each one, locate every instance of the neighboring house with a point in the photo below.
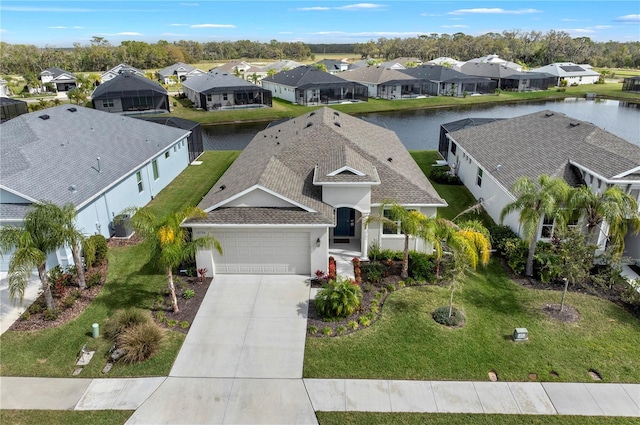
(62, 80)
(4, 88)
(281, 65)
(130, 93)
(385, 83)
(307, 85)
(412, 62)
(240, 69)
(449, 127)
(11, 108)
(195, 144)
(221, 90)
(508, 78)
(631, 84)
(440, 80)
(571, 73)
(392, 65)
(495, 59)
(177, 72)
(307, 185)
(102, 163)
(445, 61)
(489, 158)
(117, 70)
(334, 66)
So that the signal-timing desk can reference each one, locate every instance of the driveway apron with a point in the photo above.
(242, 359)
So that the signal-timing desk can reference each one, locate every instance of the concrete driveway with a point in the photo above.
(10, 309)
(242, 360)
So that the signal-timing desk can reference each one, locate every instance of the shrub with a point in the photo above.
(124, 319)
(184, 324)
(391, 287)
(401, 284)
(36, 307)
(410, 281)
(338, 298)
(312, 330)
(326, 331)
(516, 251)
(51, 314)
(188, 294)
(373, 271)
(364, 321)
(172, 323)
(352, 325)
(93, 279)
(341, 330)
(161, 317)
(95, 250)
(499, 235)
(443, 176)
(441, 315)
(422, 266)
(374, 252)
(374, 308)
(140, 342)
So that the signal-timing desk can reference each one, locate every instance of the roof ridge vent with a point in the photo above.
(548, 114)
(44, 117)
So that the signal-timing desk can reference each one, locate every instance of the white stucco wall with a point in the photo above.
(357, 197)
(100, 105)
(396, 241)
(280, 91)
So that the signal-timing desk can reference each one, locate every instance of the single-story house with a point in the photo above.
(130, 93)
(240, 69)
(194, 140)
(385, 83)
(445, 61)
(117, 70)
(281, 65)
(440, 80)
(305, 186)
(631, 84)
(334, 66)
(11, 108)
(508, 78)
(221, 90)
(4, 88)
(102, 163)
(449, 127)
(570, 72)
(404, 61)
(495, 59)
(307, 85)
(489, 158)
(177, 72)
(61, 79)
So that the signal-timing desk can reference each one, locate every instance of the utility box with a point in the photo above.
(122, 226)
(520, 334)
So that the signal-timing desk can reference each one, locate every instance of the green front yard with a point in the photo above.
(131, 282)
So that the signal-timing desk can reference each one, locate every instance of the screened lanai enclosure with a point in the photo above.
(315, 94)
(631, 84)
(235, 97)
(130, 93)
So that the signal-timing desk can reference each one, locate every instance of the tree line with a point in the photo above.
(531, 49)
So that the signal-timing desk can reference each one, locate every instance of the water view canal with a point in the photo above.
(420, 129)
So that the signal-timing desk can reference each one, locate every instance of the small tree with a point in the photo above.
(170, 243)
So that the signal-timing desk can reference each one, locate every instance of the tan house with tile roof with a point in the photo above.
(490, 158)
(385, 83)
(304, 186)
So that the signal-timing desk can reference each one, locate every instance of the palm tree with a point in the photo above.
(535, 202)
(410, 222)
(75, 239)
(470, 244)
(169, 243)
(41, 233)
(613, 207)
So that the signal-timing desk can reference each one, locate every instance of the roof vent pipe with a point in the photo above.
(98, 159)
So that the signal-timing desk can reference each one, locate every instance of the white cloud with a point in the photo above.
(178, 25)
(357, 6)
(628, 18)
(493, 11)
(578, 30)
(602, 27)
(2, 30)
(455, 26)
(62, 27)
(429, 14)
(212, 26)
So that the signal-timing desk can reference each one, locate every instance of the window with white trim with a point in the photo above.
(479, 177)
(547, 227)
(454, 148)
(388, 228)
(139, 180)
(154, 166)
(108, 103)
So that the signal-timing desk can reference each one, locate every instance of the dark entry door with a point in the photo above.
(346, 222)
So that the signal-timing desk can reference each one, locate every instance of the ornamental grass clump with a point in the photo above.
(140, 342)
(338, 298)
(123, 319)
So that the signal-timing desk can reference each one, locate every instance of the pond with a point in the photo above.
(420, 129)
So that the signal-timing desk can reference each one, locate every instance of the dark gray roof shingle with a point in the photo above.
(127, 83)
(215, 81)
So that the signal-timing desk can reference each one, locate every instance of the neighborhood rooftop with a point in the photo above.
(77, 151)
(549, 143)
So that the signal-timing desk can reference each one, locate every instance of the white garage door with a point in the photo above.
(263, 252)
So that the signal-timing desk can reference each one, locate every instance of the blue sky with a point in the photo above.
(62, 23)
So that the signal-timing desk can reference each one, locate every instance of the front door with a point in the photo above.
(346, 222)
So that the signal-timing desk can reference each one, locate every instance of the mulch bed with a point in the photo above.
(568, 315)
(163, 312)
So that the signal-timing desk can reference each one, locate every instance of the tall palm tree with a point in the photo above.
(169, 243)
(40, 234)
(74, 239)
(411, 223)
(535, 201)
(610, 213)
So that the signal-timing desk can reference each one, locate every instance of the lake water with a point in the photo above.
(420, 129)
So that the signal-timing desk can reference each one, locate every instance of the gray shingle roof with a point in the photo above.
(544, 143)
(216, 81)
(42, 158)
(169, 70)
(377, 75)
(438, 73)
(283, 157)
(126, 83)
(56, 72)
(340, 158)
(304, 76)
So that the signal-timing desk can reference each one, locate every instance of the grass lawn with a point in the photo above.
(406, 343)
(132, 281)
(67, 417)
(367, 418)
(282, 109)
